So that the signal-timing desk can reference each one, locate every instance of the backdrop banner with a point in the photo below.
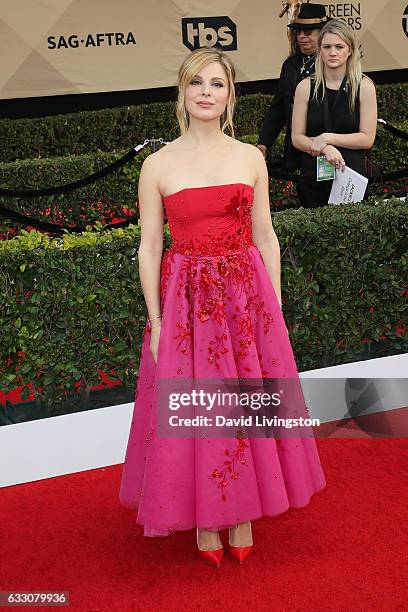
(55, 47)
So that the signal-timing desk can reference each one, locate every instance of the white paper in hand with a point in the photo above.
(348, 186)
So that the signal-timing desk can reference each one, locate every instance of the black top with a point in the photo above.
(339, 120)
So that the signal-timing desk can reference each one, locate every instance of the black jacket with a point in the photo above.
(279, 113)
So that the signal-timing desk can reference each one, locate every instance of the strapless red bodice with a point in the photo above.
(210, 221)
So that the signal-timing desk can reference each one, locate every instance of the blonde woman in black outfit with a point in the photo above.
(334, 114)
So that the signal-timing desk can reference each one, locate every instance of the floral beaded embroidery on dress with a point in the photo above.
(221, 318)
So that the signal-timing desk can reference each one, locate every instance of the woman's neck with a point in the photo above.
(334, 76)
(203, 134)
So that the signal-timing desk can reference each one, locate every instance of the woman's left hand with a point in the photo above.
(334, 157)
(318, 144)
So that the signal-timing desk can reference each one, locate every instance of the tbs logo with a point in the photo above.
(209, 32)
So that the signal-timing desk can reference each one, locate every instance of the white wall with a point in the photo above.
(97, 438)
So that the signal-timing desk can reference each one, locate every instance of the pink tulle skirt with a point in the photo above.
(179, 484)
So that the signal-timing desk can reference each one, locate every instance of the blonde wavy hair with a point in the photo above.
(189, 68)
(353, 70)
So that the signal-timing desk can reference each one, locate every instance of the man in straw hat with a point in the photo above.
(304, 29)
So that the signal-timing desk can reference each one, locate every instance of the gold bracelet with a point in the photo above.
(153, 326)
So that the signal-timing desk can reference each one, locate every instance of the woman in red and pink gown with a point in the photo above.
(214, 313)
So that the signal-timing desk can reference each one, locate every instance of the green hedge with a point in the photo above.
(392, 101)
(113, 192)
(74, 304)
(123, 128)
(389, 152)
(119, 189)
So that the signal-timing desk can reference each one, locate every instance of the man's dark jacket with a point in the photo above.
(280, 112)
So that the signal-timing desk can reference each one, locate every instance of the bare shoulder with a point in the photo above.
(304, 86)
(151, 161)
(154, 163)
(171, 147)
(367, 82)
(368, 93)
(156, 158)
(251, 155)
(250, 151)
(253, 159)
(367, 85)
(150, 173)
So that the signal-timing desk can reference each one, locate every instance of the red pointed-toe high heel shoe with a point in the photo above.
(214, 557)
(240, 553)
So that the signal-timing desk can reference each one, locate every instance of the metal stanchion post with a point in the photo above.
(155, 144)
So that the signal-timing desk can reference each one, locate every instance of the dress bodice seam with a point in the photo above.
(206, 187)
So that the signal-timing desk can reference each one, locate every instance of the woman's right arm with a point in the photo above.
(151, 239)
(299, 117)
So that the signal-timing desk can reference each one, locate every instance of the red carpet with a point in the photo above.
(347, 550)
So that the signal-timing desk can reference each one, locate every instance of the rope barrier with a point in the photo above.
(60, 229)
(56, 229)
(37, 193)
(390, 176)
(274, 168)
(392, 129)
(280, 174)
